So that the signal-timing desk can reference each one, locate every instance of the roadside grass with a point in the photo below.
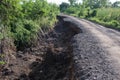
(112, 24)
(109, 17)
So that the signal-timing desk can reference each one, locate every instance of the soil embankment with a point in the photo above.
(52, 59)
(58, 64)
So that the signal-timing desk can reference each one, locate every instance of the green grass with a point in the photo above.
(2, 63)
(109, 17)
(108, 14)
(112, 24)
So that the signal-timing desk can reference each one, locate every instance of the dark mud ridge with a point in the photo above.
(58, 61)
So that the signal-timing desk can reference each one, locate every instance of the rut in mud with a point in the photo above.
(58, 64)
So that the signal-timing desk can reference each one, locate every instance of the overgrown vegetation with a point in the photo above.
(22, 19)
(109, 17)
(100, 11)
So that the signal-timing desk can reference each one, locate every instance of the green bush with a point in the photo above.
(24, 31)
(23, 21)
(109, 17)
(114, 23)
(94, 13)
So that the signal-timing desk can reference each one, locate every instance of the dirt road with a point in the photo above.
(96, 51)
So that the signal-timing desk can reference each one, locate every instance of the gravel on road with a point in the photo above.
(96, 51)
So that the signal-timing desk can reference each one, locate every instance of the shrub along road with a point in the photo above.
(96, 51)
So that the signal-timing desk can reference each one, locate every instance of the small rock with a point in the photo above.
(37, 59)
(10, 65)
(23, 77)
(19, 55)
(20, 52)
(25, 59)
(7, 71)
(94, 78)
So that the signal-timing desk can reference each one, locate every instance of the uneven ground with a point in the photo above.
(96, 52)
(76, 49)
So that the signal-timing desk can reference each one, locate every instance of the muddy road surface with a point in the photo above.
(96, 51)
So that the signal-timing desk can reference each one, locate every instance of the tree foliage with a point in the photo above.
(102, 11)
(96, 3)
(63, 6)
(116, 4)
(72, 2)
(24, 18)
